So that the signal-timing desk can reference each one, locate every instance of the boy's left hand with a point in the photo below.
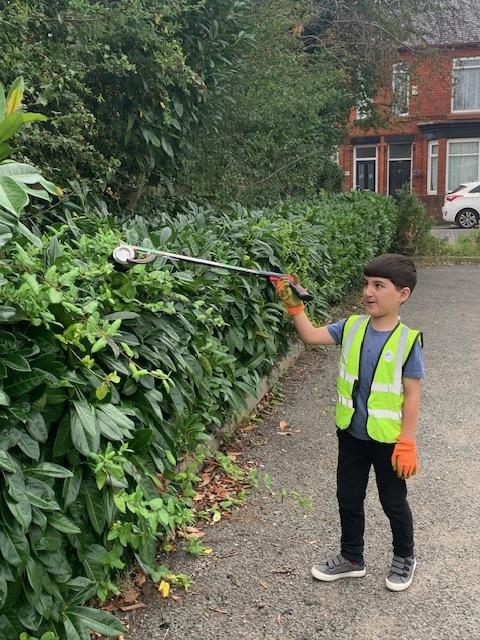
(404, 457)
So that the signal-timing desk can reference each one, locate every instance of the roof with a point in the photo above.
(448, 23)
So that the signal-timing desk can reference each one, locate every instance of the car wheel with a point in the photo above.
(467, 218)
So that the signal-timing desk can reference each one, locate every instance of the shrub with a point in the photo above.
(414, 224)
(108, 379)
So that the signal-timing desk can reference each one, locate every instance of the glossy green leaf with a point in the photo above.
(62, 523)
(37, 428)
(95, 507)
(21, 511)
(50, 470)
(71, 486)
(98, 620)
(12, 196)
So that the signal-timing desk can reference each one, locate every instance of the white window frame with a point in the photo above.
(454, 62)
(394, 159)
(431, 192)
(400, 67)
(363, 146)
(447, 190)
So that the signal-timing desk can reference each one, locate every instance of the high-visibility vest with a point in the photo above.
(385, 402)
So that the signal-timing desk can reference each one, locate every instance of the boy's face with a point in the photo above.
(381, 297)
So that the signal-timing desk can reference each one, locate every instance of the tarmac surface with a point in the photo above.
(257, 584)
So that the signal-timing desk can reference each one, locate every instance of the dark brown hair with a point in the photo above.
(397, 268)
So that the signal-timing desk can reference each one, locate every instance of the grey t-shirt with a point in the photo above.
(372, 347)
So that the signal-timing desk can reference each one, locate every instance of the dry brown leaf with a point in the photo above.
(134, 607)
(129, 596)
(206, 479)
(283, 424)
(140, 579)
(194, 534)
(249, 427)
(198, 496)
(262, 584)
(218, 610)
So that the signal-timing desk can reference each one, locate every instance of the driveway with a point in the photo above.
(257, 583)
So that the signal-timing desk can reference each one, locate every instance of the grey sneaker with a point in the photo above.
(338, 567)
(401, 573)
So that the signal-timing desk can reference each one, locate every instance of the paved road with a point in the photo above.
(259, 574)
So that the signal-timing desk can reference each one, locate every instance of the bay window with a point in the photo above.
(462, 162)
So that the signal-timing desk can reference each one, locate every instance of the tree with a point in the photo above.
(286, 115)
(127, 84)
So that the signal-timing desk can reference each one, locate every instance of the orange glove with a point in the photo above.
(404, 457)
(292, 304)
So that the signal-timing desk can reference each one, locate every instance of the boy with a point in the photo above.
(378, 399)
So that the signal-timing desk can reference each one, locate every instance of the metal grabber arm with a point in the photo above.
(127, 256)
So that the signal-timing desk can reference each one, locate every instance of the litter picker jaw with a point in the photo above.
(126, 256)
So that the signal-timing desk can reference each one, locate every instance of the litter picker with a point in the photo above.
(127, 256)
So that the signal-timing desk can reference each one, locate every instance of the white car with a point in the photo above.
(462, 205)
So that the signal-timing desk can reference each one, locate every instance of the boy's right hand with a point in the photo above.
(292, 303)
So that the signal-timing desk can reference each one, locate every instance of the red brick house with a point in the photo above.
(431, 138)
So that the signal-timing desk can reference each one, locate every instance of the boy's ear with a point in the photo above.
(405, 294)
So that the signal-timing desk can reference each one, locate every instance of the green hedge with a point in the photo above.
(109, 378)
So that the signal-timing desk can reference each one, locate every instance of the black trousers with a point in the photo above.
(355, 457)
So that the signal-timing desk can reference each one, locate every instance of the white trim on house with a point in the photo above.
(431, 192)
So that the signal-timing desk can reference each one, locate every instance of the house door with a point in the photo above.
(365, 172)
(399, 167)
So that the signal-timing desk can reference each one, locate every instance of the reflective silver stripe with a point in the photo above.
(402, 344)
(386, 388)
(347, 402)
(384, 413)
(343, 373)
(350, 337)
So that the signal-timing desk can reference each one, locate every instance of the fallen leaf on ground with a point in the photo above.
(129, 596)
(249, 427)
(133, 607)
(164, 588)
(283, 424)
(218, 610)
(140, 579)
(206, 478)
(262, 584)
